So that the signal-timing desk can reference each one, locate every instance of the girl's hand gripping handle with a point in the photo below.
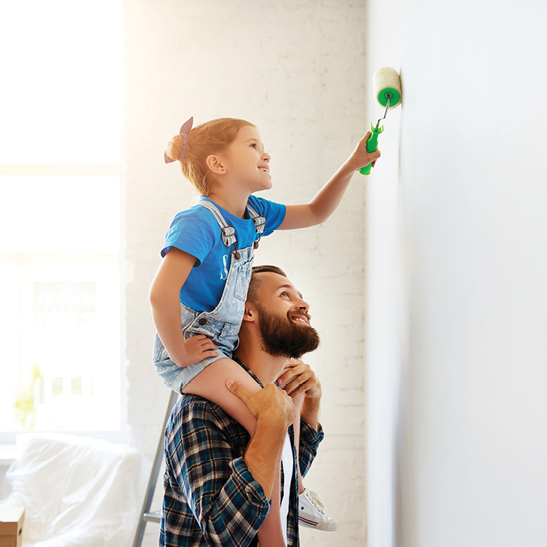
(372, 145)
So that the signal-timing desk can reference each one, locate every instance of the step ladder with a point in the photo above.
(145, 515)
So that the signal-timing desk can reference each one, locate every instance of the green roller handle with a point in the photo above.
(372, 145)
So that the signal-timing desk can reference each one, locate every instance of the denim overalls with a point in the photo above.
(222, 324)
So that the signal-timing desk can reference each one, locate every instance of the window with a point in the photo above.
(60, 216)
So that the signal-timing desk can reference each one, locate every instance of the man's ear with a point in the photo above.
(215, 164)
(250, 313)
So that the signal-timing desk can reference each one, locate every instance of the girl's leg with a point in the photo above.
(211, 384)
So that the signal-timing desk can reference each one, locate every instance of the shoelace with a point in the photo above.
(319, 509)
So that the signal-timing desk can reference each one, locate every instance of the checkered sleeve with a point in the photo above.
(309, 443)
(227, 503)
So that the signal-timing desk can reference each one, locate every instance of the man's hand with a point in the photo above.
(298, 378)
(270, 403)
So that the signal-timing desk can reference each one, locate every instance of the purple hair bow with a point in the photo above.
(184, 130)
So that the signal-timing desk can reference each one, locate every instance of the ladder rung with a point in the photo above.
(152, 517)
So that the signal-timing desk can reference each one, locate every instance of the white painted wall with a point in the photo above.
(384, 298)
(297, 70)
(462, 276)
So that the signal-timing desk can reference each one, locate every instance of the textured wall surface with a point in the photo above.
(296, 69)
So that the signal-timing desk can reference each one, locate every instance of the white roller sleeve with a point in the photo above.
(386, 77)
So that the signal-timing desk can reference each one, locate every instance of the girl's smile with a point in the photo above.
(246, 161)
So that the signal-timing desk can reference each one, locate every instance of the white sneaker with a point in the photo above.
(311, 512)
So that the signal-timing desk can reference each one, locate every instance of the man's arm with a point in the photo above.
(274, 412)
(298, 378)
(208, 475)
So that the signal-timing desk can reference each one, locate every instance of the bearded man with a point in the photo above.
(219, 479)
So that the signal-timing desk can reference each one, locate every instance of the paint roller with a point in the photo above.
(387, 88)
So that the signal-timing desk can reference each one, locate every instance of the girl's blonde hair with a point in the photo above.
(203, 140)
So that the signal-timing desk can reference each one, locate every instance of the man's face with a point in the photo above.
(283, 318)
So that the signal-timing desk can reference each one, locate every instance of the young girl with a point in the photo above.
(199, 291)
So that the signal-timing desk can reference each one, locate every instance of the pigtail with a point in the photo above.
(177, 149)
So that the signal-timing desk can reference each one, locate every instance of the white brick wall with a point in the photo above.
(297, 70)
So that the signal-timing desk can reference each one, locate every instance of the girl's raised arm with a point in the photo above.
(325, 202)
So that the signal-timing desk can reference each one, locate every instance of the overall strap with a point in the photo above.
(259, 222)
(228, 232)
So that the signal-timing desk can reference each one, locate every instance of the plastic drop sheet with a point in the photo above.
(77, 491)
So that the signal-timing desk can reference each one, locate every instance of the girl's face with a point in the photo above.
(246, 162)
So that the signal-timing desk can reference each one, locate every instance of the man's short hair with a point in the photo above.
(255, 279)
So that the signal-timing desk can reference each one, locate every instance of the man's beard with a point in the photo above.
(281, 337)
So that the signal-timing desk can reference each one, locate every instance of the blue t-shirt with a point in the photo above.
(196, 232)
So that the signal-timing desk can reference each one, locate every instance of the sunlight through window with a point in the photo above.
(60, 215)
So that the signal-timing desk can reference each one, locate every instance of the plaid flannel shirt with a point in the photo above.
(211, 497)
